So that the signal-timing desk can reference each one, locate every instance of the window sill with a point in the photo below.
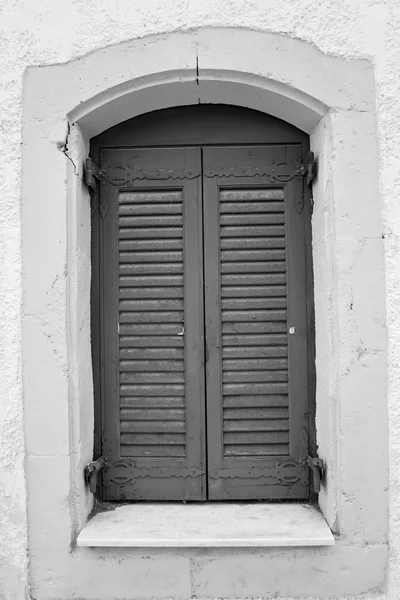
(207, 525)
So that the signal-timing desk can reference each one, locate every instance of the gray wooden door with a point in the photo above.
(204, 346)
(153, 393)
(256, 323)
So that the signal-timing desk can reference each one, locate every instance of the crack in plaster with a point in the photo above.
(65, 148)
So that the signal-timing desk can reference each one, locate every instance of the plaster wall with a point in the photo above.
(203, 66)
(48, 33)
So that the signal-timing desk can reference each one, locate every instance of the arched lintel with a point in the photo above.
(165, 90)
(285, 77)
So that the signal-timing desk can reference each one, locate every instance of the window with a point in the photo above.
(201, 308)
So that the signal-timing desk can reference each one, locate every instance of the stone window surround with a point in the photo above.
(329, 98)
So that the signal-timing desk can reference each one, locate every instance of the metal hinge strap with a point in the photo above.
(283, 472)
(124, 472)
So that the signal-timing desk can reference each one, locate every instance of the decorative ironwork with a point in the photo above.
(277, 172)
(123, 472)
(283, 472)
(123, 175)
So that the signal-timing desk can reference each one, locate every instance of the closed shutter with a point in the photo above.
(169, 436)
(153, 328)
(256, 327)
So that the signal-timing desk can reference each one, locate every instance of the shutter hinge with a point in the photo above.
(92, 471)
(92, 174)
(310, 168)
(317, 467)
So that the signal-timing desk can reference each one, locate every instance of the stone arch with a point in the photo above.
(285, 77)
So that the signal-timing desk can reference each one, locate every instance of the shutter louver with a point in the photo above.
(254, 339)
(151, 315)
(255, 291)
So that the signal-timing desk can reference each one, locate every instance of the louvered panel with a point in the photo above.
(127, 377)
(150, 269)
(145, 245)
(150, 293)
(252, 255)
(162, 414)
(253, 425)
(152, 390)
(152, 199)
(234, 316)
(152, 365)
(253, 303)
(147, 426)
(247, 389)
(253, 231)
(151, 315)
(151, 353)
(250, 207)
(151, 209)
(151, 305)
(252, 376)
(151, 221)
(145, 402)
(253, 364)
(143, 341)
(262, 218)
(159, 329)
(152, 281)
(273, 400)
(256, 450)
(253, 267)
(262, 412)
(150, 257)
(153, 451)
(248, 292)
(253, 279)
(256, 339)
(254, 351)
(242, 243)
(254, 328)
(150, 233)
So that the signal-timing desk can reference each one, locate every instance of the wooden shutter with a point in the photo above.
(256, 326)
(152, 324)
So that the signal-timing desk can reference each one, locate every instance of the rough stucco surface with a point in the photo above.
(45, 32)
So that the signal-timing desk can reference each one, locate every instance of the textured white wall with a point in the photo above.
(46, 32)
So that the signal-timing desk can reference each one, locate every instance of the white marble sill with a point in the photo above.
(207, 525)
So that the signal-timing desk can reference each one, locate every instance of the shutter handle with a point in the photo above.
(182, 332)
